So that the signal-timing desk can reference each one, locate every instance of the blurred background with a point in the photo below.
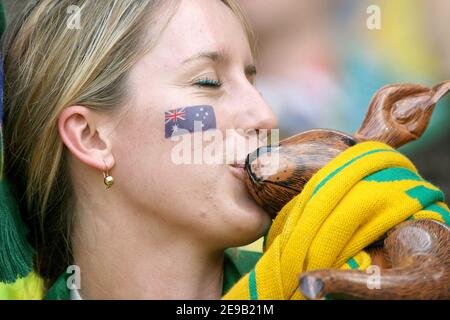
(319, 64)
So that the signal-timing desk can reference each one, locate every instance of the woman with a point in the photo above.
(87, 104)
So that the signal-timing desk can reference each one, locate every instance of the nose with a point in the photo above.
(253, 112)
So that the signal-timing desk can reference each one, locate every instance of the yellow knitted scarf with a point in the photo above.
(349, 204)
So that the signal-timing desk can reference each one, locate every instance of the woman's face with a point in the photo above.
(204, 41)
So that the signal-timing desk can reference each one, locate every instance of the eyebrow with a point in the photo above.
(211, 55)
(215, 56)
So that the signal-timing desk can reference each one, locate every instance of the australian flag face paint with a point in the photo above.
(188, 120)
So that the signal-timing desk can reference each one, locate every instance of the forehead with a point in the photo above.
(199, 26)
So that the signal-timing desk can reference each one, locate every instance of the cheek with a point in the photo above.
(144, 164)
(202, 198)
(137, 149)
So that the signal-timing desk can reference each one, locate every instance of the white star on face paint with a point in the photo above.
(174, 128)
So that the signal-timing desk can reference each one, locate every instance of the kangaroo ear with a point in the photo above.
(440, 90)
(400, 113)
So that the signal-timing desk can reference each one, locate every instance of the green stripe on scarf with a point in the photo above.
(335, 172)
(393, 174)
(252, 285)
(441, 211)
(353, 264)
(425, 195)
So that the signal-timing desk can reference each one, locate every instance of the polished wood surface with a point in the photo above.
(415, 259)
(276, 175)
(397, 114)
(400, 113)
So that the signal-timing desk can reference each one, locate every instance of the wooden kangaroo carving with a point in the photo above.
(417, 251)
(418, 267)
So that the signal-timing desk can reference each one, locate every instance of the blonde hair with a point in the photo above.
(49, 66)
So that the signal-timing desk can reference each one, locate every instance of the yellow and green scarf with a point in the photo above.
(346, 206)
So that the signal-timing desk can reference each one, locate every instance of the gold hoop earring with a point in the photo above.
(107, 179)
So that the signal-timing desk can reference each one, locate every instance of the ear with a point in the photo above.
(400, 113)
(86, 137)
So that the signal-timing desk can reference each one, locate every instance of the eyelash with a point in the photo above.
(208, 83)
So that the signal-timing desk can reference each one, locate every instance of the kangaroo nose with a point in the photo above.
(260, 165)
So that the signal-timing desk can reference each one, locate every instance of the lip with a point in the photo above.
(238, 170)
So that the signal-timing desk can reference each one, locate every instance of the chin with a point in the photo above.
(244, 221)
(249, 226)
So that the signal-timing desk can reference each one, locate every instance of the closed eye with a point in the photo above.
(208, 83)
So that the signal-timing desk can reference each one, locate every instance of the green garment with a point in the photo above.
(2, 18)
(237, 263)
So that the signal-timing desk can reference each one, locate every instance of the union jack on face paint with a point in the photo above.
(188, 120)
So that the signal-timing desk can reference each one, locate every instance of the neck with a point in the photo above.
(126, 254)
